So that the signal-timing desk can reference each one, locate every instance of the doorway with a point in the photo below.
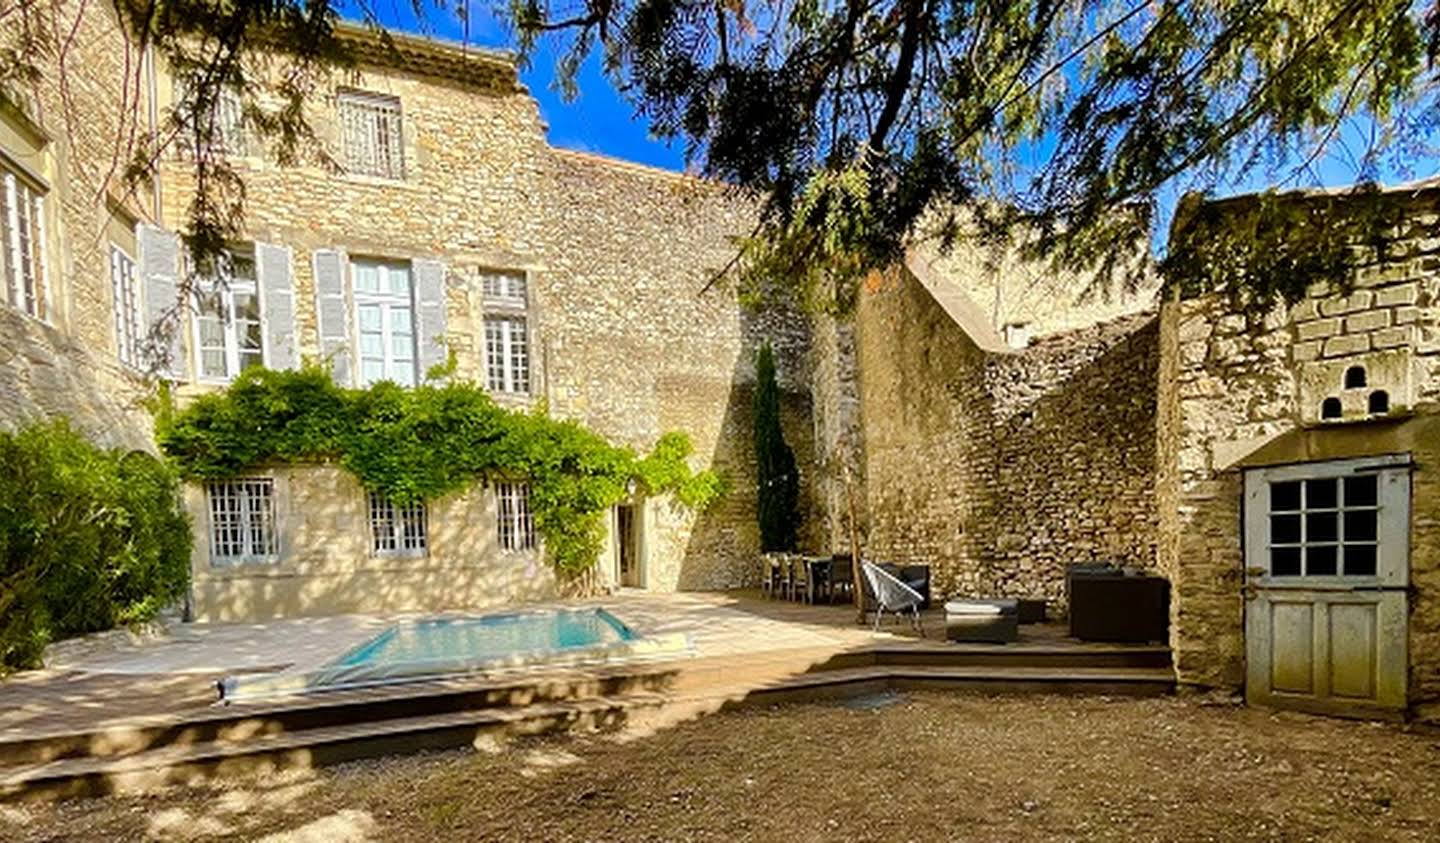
(1327, 563)
(627, 546)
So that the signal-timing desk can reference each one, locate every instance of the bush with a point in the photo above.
(777, 476)
(89, 539)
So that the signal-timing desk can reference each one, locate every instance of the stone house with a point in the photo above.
(994, 420)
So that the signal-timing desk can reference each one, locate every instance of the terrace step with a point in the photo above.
(1010, 655)
(363, 737)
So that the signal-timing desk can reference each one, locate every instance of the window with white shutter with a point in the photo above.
(384, 321)
(242, 520)
(397, 530)
(507, 336)
(22, 243)
(129, 331)
(371, 134)
(229, 329)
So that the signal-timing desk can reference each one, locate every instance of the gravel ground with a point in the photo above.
(886, 768)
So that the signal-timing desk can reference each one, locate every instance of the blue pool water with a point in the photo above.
(488, 638)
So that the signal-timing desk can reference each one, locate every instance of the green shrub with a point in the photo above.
(424, 442)
(89, 538)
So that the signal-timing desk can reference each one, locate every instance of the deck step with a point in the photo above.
(336, 742)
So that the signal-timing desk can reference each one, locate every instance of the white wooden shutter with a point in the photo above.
(272, 269)
(430, 313)
(331, 313)
(160, 269)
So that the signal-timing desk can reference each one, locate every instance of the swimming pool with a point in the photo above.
(449, 646)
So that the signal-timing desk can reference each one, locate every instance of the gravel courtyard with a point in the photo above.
(884, 768)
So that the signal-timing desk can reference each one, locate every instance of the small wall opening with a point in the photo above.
(1355, 377)
(1379, 402)
(1330, 408)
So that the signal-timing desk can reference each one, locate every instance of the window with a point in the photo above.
(516, 527)
(1379, 402)
(229, 332)
(128, 331)
(384, 322)
(242, 520)
(370, 129)
(1324, 526)
(226, 124)
(1330, 408)
(507, 339)
(22, 252)
(398, 530)
(1355, 377)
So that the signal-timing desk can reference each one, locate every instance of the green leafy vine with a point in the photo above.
(427, 442)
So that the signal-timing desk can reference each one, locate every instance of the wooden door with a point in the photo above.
(1327, 565)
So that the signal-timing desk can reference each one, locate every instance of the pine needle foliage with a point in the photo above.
(422, 443)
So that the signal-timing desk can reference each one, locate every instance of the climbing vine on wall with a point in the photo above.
(427, 442)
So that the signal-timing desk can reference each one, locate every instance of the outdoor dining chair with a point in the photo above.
(892, 595)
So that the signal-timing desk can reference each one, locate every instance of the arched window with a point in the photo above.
(1330, 409)
(1379, 402)
(1355, 377)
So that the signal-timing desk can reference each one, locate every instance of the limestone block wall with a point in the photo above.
(999, 470)
(1240, 381)
(325, 565)
(71, 143)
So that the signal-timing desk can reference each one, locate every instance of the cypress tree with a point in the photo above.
(777, 479)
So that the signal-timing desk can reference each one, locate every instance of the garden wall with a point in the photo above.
(1000, 467)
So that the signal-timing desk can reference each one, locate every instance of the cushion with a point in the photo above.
(981, 607)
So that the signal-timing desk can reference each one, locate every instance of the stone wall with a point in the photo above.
(1000, 469)
(1243, 381)
(72, 144)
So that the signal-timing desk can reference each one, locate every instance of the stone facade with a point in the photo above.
(1234, 384)
(58, 357)
(999, 467)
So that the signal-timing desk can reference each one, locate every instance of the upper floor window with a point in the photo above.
(217, 126)
(229, 335)
(516, 526)
(385, 322)
(507, 336)
(397, 529)
(371, 134)
(129, 334)
(242, 520)
(22, 239)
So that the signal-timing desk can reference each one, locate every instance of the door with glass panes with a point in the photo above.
(1327, 560)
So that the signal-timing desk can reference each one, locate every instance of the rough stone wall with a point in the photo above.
(836, 410)
(623, 338)
(999, 470)
(72, 143)
(1241, 381)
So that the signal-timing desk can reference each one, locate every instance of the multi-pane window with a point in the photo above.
(1324, 526)
(128, 331)
(229, 333)
(371, 134)
(385, 322)
(22, 238)
(242, 520)
(507, 336)
(397, 529)
(220, 128)
(516, 526)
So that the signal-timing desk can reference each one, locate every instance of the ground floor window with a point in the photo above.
(128, 331)
(516, 526)
(242, 520)
(397, 529)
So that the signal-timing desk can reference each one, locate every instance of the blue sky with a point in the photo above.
(597, 121)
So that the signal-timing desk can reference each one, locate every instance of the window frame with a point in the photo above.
(1392, 524)
(249, 506)
(231, 139)
(406, 528)
(128, 308)
(370, 108)
(508, 356)
(226, 286)
(28, 241)
(387, 302)
(514, 520)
